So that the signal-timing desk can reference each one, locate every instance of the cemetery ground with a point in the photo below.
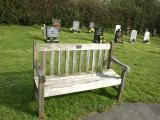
(16, 86)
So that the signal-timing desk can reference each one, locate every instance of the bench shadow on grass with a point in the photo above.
(16, 92)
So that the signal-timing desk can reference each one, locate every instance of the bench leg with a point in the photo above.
(121, 87)
(41, 101)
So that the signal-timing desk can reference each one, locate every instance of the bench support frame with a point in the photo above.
(39, 73)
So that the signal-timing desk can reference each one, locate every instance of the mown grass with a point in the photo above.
(16, 88)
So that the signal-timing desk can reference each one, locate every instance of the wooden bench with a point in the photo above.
(73, 68)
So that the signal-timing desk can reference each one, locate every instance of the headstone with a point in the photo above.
(51, 34)
(91, 27)
(98, 35)
(117, 27)
(75, 27)
(118, 36)
(133, 36)
(56, 23)
(147, 37)
(154, 31)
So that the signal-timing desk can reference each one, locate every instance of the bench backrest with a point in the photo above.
(71, 58)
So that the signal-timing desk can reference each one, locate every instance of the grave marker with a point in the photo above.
(117, 27)
(75, 27)
(91, 27)
(147, 37)
(56, 23)
(98, 35)
(133, 36)
(154, 31)
(51, 33)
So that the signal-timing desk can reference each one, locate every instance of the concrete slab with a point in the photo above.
(129, 111)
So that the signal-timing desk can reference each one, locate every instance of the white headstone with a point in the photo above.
(133, 36)
(76, 25)
(146, 36)
(117, 27)
(91, 25)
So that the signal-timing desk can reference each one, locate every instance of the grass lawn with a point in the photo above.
(16, 89)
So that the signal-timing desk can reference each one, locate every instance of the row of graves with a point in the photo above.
(133, 35)
(51, 33)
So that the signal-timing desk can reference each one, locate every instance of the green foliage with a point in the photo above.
(137, 14)
(16, 86)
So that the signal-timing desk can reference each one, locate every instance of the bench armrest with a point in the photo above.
(39, 71)
(123, 66)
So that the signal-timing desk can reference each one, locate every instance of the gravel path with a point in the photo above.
(129, 111)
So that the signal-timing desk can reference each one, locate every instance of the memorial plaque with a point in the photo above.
(133, 36)
(52, 32)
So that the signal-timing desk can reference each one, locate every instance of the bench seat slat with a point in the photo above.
(76, 83)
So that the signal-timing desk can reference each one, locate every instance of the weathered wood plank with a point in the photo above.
(121, 87)
(81, 60)
(87, 60)
(49, 47)
(67, 62)
(41, 99)
(44, 62)
(59, 61)
(105, 60)
(99, 59)
(109, 65)
(52, 63)
(93, 60)
(74, 61)
(76, 83)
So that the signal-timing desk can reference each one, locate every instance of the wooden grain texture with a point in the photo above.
(81, 60)
(74, 61)
(44, 62)
(75, 83)
(99, 59)
(56, 47)
(105, 60)
(67, 62)
(60, 84)
(52, 63)
(123, 66)
(35, 58)
(121, 87)
(41, 99)
(93, 60)
(109, 65)
(87, 60)
(59, 61)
